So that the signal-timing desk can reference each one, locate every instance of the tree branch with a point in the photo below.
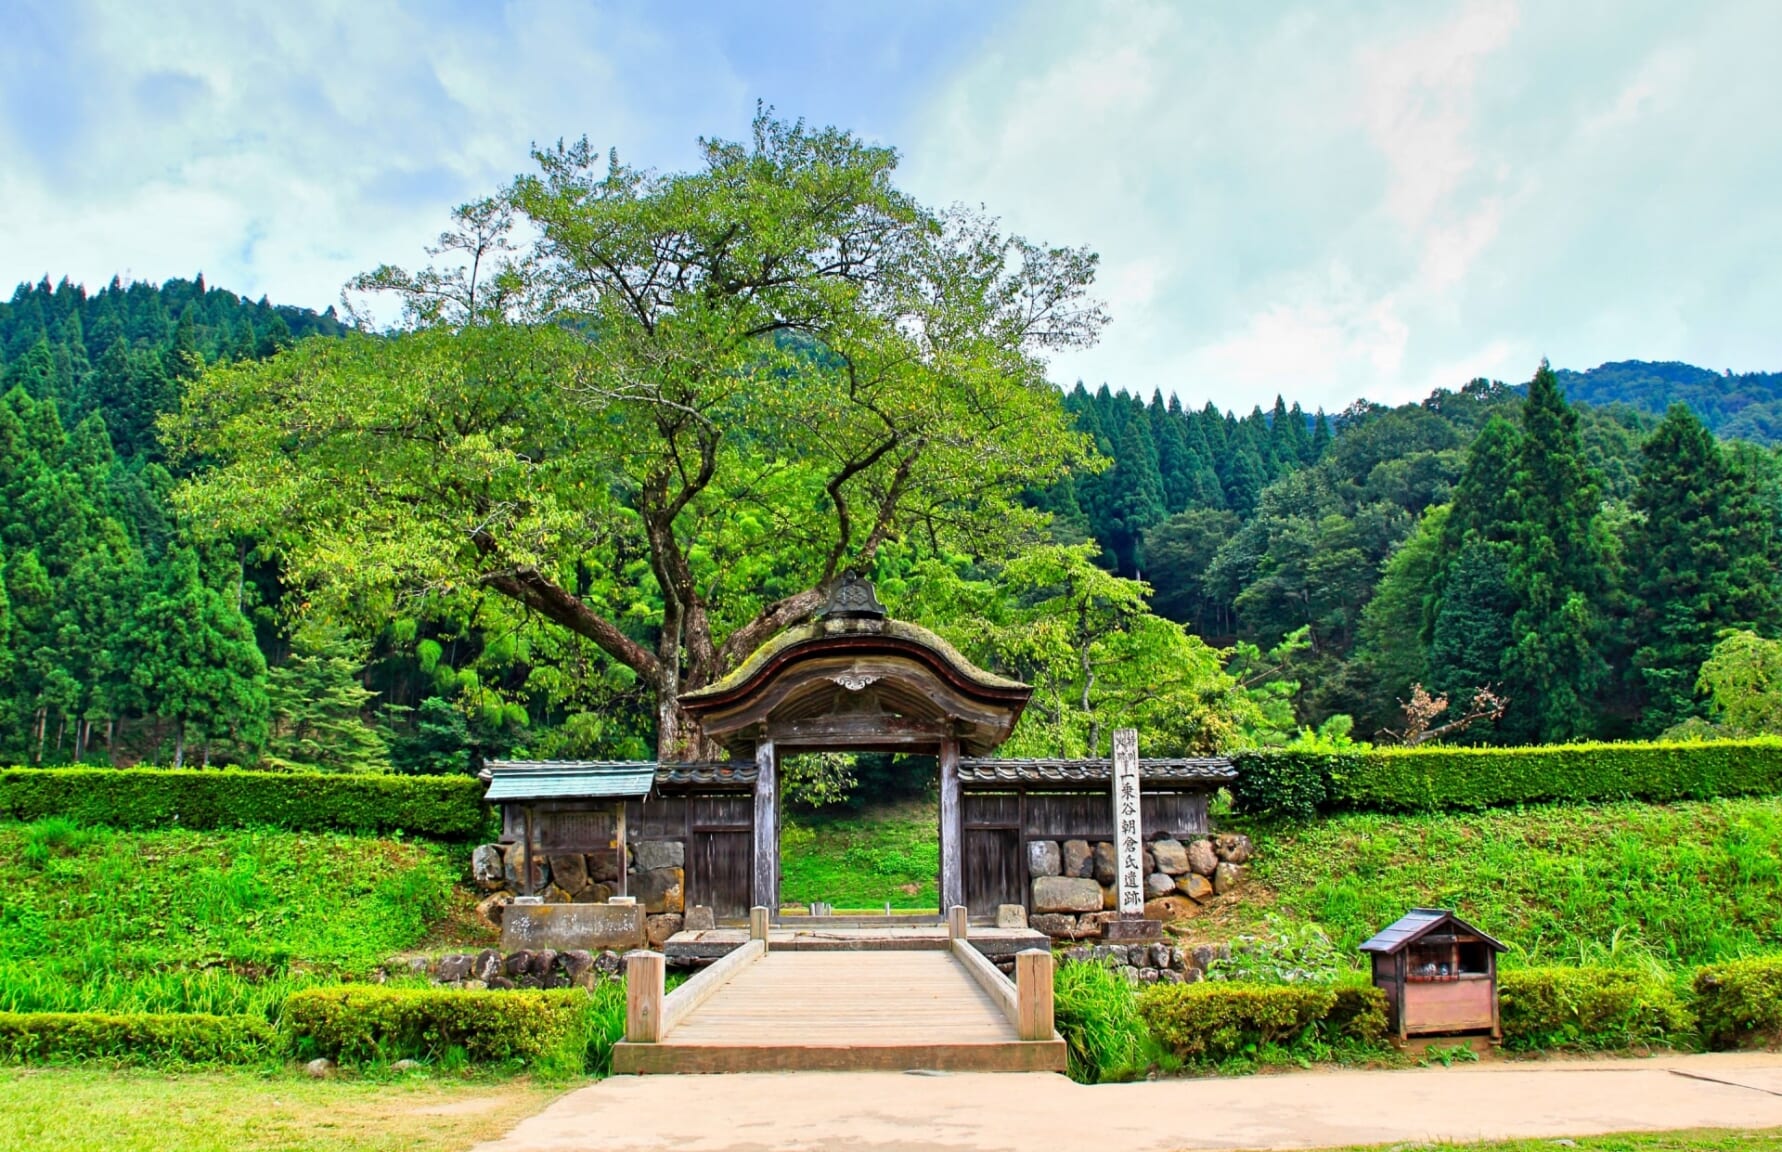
(530, 587)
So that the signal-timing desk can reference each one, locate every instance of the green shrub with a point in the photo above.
(1284, 783)
(1590, 1009)
(440, 807)
(1357, 1013)
(134, 1038)
(550, 1033)
(1216, 1020)
(1299, 784)
(1097, 1014)
(1740, 1003)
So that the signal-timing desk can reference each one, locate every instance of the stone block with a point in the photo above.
(486, 966)
(490, 908)
(1227, 876)
(1092, 923)
(656, 855)
(659, 928)
(1066, 894)
(1159, 884)
(573, 926)
(1147, 862)
(1052, 924)
(1201, 858)
(1011, 916)
(1195, 886)
(487, 867)
(514, 863)
(555, 895)
(1105, 867)
(453, 969)
(1110, 898)
(1133, 930)
(699, 919)
(1043, 858)
(1079, 859)
(1167, 908)
(569, 873)
(659, 891)
(1171, 857)
(597, 892)
(1233, 847)
(578, 969)
(602, 864)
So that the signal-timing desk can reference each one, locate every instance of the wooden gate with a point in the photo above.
(995, 869)
(720, 853)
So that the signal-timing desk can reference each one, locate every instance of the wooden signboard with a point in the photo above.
(1129, 847)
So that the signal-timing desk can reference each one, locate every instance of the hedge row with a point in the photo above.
(1540, 1009)
(1740, 1003)
(1590, 1009)
(557, 1033)
(440, 807)
(1216, 1020)
(195, 1038)
(1300, 784)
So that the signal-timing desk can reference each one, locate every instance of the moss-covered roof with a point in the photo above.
(849, 632)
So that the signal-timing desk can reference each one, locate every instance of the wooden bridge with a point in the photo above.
(893, 1003)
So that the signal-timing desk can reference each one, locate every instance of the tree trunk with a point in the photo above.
(111, 740)
(179, 746)
(42, 719)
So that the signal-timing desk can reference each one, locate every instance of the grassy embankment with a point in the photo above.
(1679, 884)
(225, 922)
(862, 862)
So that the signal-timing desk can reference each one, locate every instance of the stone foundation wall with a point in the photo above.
(542, 968)
(1073, 892)
(1150, 963)
(656, 879)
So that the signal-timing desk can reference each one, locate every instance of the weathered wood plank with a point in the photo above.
(766, 888)
(990, 978)
(1033, 994)
(952, 858)
(644, 972)
(680, 1003)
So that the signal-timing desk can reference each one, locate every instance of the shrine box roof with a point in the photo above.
(1420, 922)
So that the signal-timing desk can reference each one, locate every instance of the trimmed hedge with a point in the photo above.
(551, 1033)
(152, 1038)
(1590, 1009)
(1219, 1019)
(1300, 784)
(439, 807)
(1740, 1003)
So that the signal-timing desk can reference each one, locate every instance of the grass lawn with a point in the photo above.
(863, 862)
(77, 1110)
(1684, 884)
(226, 921)
(1698, 1140)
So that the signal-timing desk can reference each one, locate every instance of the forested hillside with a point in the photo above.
(233, 532)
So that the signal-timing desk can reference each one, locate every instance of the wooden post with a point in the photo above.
(952, 859)
(957, 924)
(644, 975)
(766, 889)
(1033, 994)
(624, 854)
(527, 854)
(758, 925)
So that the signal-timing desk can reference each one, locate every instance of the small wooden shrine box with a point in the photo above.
(1439, 974)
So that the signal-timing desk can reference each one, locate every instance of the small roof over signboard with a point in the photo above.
(514, 780)
(1420, 922)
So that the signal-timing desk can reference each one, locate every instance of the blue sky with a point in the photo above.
(1323, 200)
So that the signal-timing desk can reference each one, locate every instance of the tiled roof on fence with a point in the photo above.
(1172, 770)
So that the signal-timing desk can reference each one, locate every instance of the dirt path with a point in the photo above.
(885, 1112)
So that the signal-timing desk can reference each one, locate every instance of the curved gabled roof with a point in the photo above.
(861, 668)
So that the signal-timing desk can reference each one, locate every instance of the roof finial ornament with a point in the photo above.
(854, 599)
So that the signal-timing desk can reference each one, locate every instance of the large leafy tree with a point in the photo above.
(673, 420)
